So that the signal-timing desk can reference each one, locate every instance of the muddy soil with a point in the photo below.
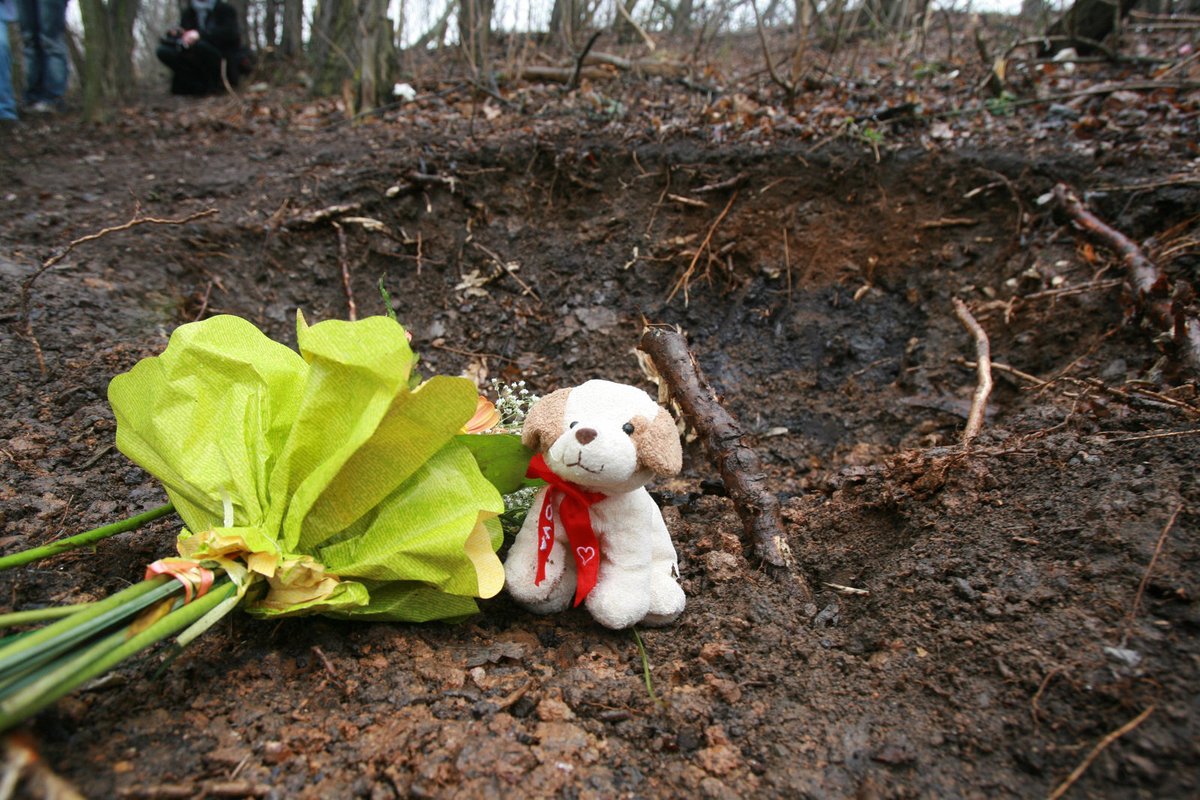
(1009, 605)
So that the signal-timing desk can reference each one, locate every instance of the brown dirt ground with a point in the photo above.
(1002, 633)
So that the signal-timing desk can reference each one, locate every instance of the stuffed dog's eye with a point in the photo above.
(573, 424)
(628, 428)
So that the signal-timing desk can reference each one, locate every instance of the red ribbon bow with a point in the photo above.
(577, 520)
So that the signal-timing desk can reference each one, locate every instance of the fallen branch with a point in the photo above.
(27, 284)
(738, 464)
(983, 366)
(1151, 289)
(1065, 786)
(644, 66)
(541, 72)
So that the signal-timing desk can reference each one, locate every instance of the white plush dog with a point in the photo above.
(598, 444)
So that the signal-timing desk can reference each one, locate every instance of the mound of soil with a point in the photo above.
(983, 617)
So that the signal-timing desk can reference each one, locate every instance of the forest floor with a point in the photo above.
(1022, 613)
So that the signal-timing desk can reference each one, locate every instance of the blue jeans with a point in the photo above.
(43, 23)
(8, 106)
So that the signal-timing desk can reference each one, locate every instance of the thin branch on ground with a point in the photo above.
(1141, 590)
(686, 277)
(1008, 370)
(738, 464)
(344, 264)
(983, 366)
(27, 284)
(1109, 738)
(1151, 289)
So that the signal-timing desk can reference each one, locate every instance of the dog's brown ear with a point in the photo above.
(544, 422)
(658, 444)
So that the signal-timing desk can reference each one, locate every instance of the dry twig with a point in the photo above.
(983, 366)
(1108, 739)
(1141, 590)
(27, 284)
(686, 277)
(344, 263)
(1151, 289)
(738, 464)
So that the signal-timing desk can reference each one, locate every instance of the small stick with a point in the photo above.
(344, 263)
(723, 439)
(1065, 786)
(27, 284)
(1034, 710)
(948, 222)
(574, 82)
(1159, 435)
(1151, 288)
(1008, 370)
(686, 276)
(204, 302)
(1137, 598)
(983, 366)
(687, 201)
(787, 263)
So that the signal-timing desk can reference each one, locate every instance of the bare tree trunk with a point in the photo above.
(292, 40)
(681, 17)
(270, 32)
(333, 47)
(108, 55)
(475, 33)
(377, 53)
(436, 32)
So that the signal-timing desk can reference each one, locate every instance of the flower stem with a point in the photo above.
(15, 618)
(38, 691)
(83, 539)
(42, 645)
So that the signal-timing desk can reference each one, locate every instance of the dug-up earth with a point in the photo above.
(998, 620)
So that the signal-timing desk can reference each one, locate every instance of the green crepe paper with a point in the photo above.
(327, 453)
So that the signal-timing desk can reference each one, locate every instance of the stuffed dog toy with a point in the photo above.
(593, 534)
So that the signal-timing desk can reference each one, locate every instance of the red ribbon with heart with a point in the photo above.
(575, 510)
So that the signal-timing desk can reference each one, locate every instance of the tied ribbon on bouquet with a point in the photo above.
(195, 578)
(575, 510)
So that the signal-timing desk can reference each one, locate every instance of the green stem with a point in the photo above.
(15, 618)
(646, 668)
(40, 645)
(82, 539)
(102, 656)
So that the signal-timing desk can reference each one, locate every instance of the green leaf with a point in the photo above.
(502, 458)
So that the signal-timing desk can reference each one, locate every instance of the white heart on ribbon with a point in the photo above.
(585, 554)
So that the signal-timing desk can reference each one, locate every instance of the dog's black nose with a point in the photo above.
(585, 435)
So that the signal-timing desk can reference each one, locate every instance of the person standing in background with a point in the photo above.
(8, 104)
(43, 34)
(204, 51)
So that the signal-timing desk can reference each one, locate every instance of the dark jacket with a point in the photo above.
(220, 28)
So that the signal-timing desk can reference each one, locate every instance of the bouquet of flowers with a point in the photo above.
(330, 481)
